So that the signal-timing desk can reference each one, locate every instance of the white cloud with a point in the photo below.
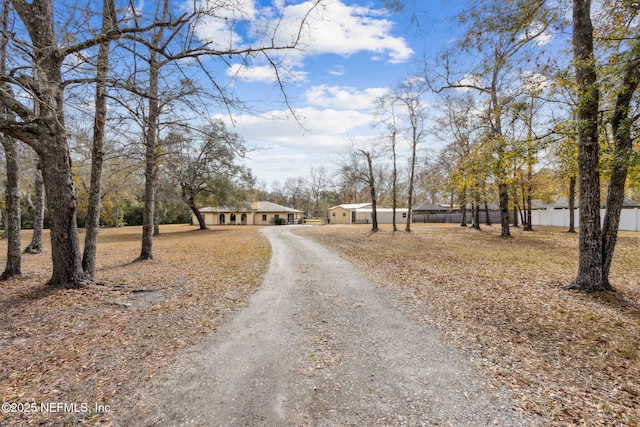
(345, 30)
(283, 128)
(336, 70)
(288, 148)
(343, 97)
(330, 28)
(265, 73)
(542, 36)
(470, 80)
(219, 19)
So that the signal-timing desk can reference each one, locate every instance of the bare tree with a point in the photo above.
(409, 95)
(97, 152)
(387, 116)
(43, 126)
(295, 189)
(151, 136)
(318, 183)
(14, 260)
(35, 246)
(358, 165)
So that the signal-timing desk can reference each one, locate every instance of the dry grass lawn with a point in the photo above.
(100, 344)
(573, 359)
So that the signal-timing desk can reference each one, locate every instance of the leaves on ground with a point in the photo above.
(102, 343)
(573, 359)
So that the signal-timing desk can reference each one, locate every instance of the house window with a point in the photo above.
(344, 214)
(264, 217)
(404, 214)
(333, 214)
(277, 216)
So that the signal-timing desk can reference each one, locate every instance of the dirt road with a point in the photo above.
(320, 345)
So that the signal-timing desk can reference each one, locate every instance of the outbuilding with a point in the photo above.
(360, 213)
(346, 213)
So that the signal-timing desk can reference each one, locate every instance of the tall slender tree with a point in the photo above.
(409, 95)
(358, 166)
(35, 246)
(150, 134)
(13, 265)
(621, 40)
(92, 223)
(387, 115)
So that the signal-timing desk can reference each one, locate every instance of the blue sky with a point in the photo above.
(353, 52)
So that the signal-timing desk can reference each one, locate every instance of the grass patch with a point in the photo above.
(102, 343)
(571, 358)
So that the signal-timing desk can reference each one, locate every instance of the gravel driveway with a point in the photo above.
(320, 345)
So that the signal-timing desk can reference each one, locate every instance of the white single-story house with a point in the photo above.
(360, 213)
(259, 213)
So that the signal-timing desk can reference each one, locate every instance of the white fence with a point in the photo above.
(629, 218)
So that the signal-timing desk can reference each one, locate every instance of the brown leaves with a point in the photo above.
(101, 344)
(572, 358)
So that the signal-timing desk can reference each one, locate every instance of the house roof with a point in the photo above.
(429, 207)
(223, 209)
(352, 206)
(384, 210)
(255, 207)
(272, 207)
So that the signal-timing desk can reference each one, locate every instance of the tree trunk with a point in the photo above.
(35, 247)
(150, 142)
(374, 209)
(372, 192)
(463, 211)
(487, 219)
(97, 154)
(572, 205)
(411, 179)
(529, 213)
(62, 201)
(156, 214)
(44, 130)
(14, 256)
(13, 224)
(621, 125)
(395, 179)
(589, 276)
(503, 193)
(192, 205)
(529, 188)
(463, 207)
(476, 215)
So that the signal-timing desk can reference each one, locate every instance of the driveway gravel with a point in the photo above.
(320, 345)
